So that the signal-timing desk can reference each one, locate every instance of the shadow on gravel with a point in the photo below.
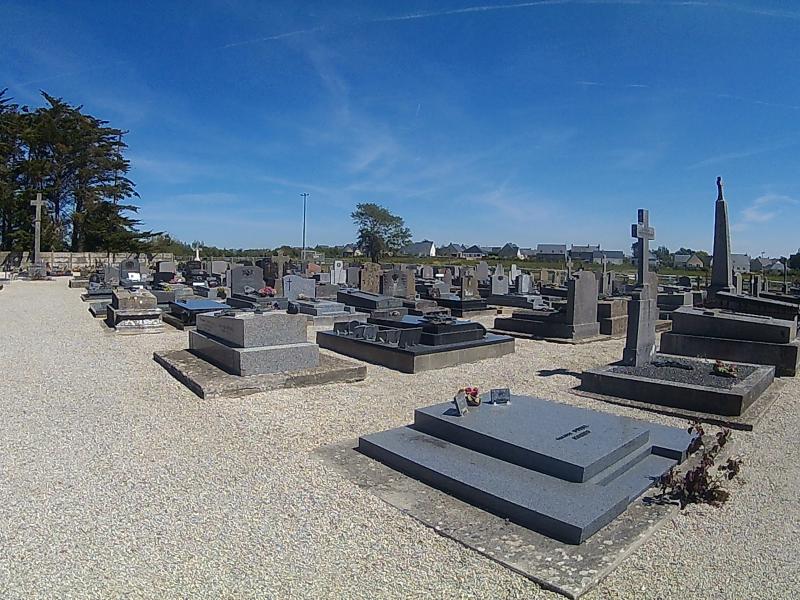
(553, 372)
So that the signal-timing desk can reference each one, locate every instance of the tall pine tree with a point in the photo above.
(76, 161)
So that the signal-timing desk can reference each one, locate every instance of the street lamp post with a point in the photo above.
(303, 252)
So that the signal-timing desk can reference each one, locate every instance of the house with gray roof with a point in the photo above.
(423, 248)
(550, 251)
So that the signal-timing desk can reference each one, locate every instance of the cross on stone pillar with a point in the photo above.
(643, 234)
(37, 236)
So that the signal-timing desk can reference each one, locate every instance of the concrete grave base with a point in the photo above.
(413, 360)
(784, 357)
(614, 326)
(177, 323)
(99, 310)
(87, 297)
(556, 340)
(744, 422)
(210, 382)
(329, 320)
(79, 283)
(554, 565)
(674, 397)
(253, 360)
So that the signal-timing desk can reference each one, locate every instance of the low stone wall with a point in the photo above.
(73, 261)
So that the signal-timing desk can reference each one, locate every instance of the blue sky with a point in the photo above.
(535, 122)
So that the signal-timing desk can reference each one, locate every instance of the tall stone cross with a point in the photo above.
(643, 234)
(37, 229)
(197, 252)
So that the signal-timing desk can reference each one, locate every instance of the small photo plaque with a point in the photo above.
(461, 404)
(500, 396)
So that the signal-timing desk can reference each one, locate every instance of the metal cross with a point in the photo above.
(643, 234)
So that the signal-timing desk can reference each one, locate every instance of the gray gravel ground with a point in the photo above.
(118, 482)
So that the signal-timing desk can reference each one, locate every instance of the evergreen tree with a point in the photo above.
(76, 161)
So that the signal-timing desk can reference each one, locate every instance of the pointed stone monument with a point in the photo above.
(722, 266)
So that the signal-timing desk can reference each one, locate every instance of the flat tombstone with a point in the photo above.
(165, 266)
(394, 283)
(242, 277)
(295, 287)
(371, 278)
(353, 276)
(524, 284)
(128, 266)
(218, 267)
(411, 282)
(338, 274)
(483, 271)
(582, 298)
(323, 277)
(111, 275)
(499, 284)
(469, 285)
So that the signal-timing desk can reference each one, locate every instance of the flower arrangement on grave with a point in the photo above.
(221, 293)
(266, 291)
(167, 288)
(473, 395)
(724, 369)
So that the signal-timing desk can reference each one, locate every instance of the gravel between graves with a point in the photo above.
(119, 482)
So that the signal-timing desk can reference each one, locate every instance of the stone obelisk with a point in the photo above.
(721, 266)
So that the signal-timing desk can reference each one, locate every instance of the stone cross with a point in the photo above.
(643, 234)
(37, 228)
(197, 251)
(640, 342)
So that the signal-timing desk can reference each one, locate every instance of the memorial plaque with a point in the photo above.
(500, 396)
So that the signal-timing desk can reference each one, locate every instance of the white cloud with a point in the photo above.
(763, 210)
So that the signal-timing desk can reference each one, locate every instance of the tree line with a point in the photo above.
(77, 162)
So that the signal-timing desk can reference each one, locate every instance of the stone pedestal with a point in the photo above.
(252, 344)
(640, 345)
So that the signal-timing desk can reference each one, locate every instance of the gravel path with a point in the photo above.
(118, 482)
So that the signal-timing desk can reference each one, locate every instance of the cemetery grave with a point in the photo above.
(377, 305)
(134, 311)
(719, 334)
(412, 344)
(236, 353)
(324, 313)
(183, 312)
(555, 506)
(467, 302)
(694, 388)
(248, 290)
(575, 322)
